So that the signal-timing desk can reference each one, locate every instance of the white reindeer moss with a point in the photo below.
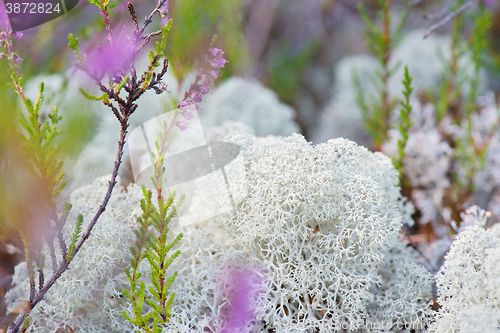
(315, 239)
(251, 103)
(469, 284)
(323, 218)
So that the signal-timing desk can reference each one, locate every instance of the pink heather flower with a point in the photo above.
(182, 125)
(218, 62)
(17, 35)
(110, 60)
(204, 90)
(2, 55)
(196, 96)
(188, 115)
(216, 52)
(244, 287)
(206, 80)
(185, 105)
(214, 73)
(17, 59)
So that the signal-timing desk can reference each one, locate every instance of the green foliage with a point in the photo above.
(286, 67)
(161, 45)
(151, 244)
(104, 97)
(120, 85)
(381, 41)
(405, 124)
(159, 52)
(103, 4)
(75, 237)
(39, 148)
(478, 45)
(200, 20)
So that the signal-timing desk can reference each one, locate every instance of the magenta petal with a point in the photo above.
(244, 286)
(182, 125)
(17, 35)
(216, 52)
(206, 80)
(196, 96)
(220, 61)
(17, 59)
(188, 115)
(204, 90)
(214, 73)
(108, 60)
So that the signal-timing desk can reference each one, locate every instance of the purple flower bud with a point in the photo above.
(2, 55)
(188, 106)
(3, 35)
(206, 80)
(214, 64)
(182, 125)
(216, 52)
(204, 90)
(17, 34)
(17, 59)
(214, 73)
(188, 115)
(196, 96)
(221, 61)
(184, 104)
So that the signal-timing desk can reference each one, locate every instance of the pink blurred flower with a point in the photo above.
(196, 96)
(4, 18)
(17, 34)
(489, 3)
(182, 125)
(111, 60)
(216, 52)
(188, 115)
(243, 287)
(205, 80)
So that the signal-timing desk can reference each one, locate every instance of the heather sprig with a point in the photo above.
(404, 125)
(478, 45)
(153, 246)
(380, 41)
(453, 78)
(40, 136)
(45, 168)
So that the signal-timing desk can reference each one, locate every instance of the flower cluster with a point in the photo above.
(5, 37)
(111, 58)
(201, 85)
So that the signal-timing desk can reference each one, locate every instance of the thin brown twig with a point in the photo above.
(449, 17)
